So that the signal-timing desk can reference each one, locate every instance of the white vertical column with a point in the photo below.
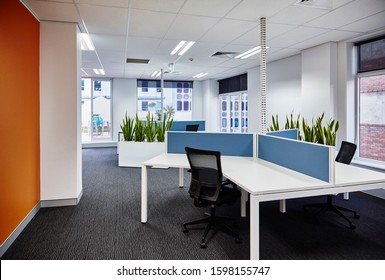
(60, 139)
(262, 73)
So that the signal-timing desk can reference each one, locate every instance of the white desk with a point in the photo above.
(265, 181)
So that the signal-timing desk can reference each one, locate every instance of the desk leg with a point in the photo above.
(144, 195)
(181, 178)
(244, 196)
(254, 228)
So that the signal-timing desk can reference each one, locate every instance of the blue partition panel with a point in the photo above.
(229, 144)
(181, 125)
(288, 133)
(307, 158)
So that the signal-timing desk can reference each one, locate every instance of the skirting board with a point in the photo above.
(61, 202)
(8, 242)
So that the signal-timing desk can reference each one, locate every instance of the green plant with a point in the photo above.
(315, 133)
(169, 110)
(294, 124)
(319, 132)
(308, 131)
(139, 135)
(274, 124)
(150, 128)
(162, 127)
(330, 132)
(127, 128)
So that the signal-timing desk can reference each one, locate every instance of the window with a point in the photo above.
(96, 110)
(177, 99)
(233, 110)
(371, 100)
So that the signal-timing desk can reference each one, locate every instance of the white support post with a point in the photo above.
(263, 73)
(144, 195)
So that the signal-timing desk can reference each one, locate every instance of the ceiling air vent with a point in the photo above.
(225, 54)
(137, 60)
(317, 4)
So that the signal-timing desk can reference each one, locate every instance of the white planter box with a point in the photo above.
(132, 154)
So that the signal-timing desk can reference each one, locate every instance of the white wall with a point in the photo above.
(283, 91)
(197, 101)
(124, 99)
(319, 81)
(346, 92)
(210, 106)
(60, 138)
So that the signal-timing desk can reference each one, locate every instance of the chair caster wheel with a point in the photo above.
(356, 216)
(352, 226)
(203, 245)
(185, 230)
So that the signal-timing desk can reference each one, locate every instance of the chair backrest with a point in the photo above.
(192, 127)
(206, 174)
(346, 152)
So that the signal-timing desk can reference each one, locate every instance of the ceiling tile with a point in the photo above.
(149, 24)
(190, 28)
(55, 11)
(98, 19)
(351, 12)
(255, 9)
(227, 30)
(172, 6)
(212, 8)
(106, 42)
(296, 15)
(295, 36)
(368, 24)
(110, 3)
(331, 36)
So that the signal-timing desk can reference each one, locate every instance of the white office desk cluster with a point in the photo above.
(266, 181)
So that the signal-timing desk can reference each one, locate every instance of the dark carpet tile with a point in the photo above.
(106, 223)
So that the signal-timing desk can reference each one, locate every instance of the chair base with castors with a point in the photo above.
(329, 206)
(213, 221)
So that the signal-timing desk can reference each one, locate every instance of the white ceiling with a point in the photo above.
(150, 29)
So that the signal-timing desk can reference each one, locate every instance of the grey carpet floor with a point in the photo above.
(106, 223)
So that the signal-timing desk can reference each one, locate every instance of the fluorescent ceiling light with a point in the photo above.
(156, 73)
(99, 71)
(182, 47)
(85, 72)
(88, 46)
(200, 75)
(249, 53)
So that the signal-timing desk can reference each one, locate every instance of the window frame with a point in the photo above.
(358, 159)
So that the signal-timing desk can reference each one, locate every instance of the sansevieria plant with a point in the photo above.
(127, 128)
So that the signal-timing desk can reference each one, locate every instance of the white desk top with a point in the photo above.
(260, 177)
(349, 175)
(254, 175)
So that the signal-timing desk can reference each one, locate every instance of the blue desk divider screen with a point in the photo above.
(288, 133)
(307, 158)
(181, 125)
(229, 144)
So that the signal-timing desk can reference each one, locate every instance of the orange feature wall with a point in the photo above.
(19, 115)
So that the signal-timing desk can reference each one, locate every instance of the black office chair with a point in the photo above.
(192, 127)
(208, 189)
(345, 155)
